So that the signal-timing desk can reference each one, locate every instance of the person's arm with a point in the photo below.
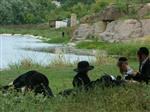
(77, 82)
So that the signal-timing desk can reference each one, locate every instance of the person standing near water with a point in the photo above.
(63, 34)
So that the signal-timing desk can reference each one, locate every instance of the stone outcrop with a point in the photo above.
(126, 29)
(82, 32)
(146, 27)
(106, 24)
(109, 14)
(98, 28)
(85, 31)
(144, 10)
(115, 31)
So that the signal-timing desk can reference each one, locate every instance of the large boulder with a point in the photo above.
(82, 32)
(110, 13)
(146, 26)
(98, 28)
(144, 10)
(126, 29)
(85, 31)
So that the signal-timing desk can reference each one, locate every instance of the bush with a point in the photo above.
(24, 11)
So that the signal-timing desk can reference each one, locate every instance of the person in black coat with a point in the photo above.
(81, 79)
(144, 68)
(32, 81)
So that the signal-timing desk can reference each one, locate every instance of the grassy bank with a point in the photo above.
(49, 35)
(132, 98)
(126, 48)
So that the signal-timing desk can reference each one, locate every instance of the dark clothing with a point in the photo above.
(81, 80)
(105, 81)
(144, 73)
(35, 81)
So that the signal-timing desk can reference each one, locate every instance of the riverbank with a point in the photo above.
(133, 97)
(126, 48)
(49, 35)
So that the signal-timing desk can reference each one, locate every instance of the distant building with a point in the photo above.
(58, 4)
(59, 23)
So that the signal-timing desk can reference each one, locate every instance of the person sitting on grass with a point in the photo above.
(31, 81)
(124, 68)
(81, 79)
(144, 69)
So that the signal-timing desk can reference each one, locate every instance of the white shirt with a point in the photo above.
(130, 71)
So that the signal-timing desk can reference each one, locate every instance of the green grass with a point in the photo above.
(49, 35)
(132, 98)
(128, 49)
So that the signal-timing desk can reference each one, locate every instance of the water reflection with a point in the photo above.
(11, 51)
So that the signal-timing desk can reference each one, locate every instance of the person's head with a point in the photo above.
(142, 53)
(122, 64)
(83, 67)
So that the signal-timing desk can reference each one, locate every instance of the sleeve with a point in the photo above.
(77, 82)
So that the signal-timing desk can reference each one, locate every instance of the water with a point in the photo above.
(12, 51)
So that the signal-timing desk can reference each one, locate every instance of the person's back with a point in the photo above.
(34, 81)
(30, 79)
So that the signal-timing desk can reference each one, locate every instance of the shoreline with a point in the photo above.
(66, 48)
(29, 35)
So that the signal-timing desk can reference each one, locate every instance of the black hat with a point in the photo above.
(83, 66)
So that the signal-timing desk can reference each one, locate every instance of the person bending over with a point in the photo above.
(31, 81)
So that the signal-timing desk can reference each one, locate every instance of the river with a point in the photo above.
(12, 51)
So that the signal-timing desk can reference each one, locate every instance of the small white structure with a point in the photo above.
(58, 4)
(61, 24)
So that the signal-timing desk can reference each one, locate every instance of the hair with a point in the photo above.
(122, 60)
(143, 50)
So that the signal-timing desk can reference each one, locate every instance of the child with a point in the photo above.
(124, 68)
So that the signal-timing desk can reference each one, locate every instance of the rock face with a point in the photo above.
(144, 10)
(146, 27)
(109, 14)
(73, 20)
(126, 29)
(98, 28)
(85, 31)
(82, 32)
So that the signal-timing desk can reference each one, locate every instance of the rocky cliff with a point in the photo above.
(107, 26)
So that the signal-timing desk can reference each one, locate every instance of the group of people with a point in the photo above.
(38, 82)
